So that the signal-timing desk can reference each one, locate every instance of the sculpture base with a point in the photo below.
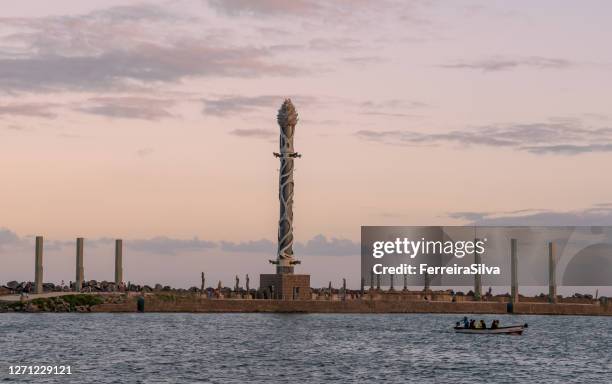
(282, 286)
(284, 269)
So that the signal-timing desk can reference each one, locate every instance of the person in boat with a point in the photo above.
(472, 324)
(466, 323)
(495, 324)
(483, 325)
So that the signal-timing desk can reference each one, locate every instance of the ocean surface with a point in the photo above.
(303, 348)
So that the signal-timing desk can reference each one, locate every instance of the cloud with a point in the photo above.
(169, 246)
(319, 245)
(8, 237)
(144, 152)
(226, 105)
(562, 137)
(389, 108)
(44, 110)
(504, 64)
(266, 7)
(255, 133)
(120, 48)
(235, 105)
(334, 44)
(322, 246)
(144, 108)
(598, 215)
(260, 246)
(569, 149)
(363, 60)
(337, 12)
(144, 63)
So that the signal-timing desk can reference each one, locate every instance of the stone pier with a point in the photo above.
(552, 273)
(477, 277)
(118, 262)
(80, 269)
(514, 289)
(38, 266)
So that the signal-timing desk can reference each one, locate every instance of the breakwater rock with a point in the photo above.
(66, 303)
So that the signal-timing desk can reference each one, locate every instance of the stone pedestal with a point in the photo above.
(286, 286)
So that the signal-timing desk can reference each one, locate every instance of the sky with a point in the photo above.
(155, 122)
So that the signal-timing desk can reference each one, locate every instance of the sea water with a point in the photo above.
(303, 348)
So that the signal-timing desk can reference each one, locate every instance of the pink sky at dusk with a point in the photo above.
(155, 122)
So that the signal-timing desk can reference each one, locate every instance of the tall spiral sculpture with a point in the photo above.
(287, 119)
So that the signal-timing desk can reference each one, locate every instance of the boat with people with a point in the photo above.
(480, 328)
(511, 330)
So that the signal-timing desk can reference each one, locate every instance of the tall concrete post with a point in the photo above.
(118, 262)
(287, 119)
(514, 289)
(405, 282)
(477, 277)
(391, 285)
(378, 282)
(552, 272)
(80, 269)
(38, 265)
(427, 279)
(203, 283)
(371, 280)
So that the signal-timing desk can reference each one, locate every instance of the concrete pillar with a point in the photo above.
(391, 287)
(80, 269)
(405, 282)
(378, 282)
(371, 280)
(552, 273)
(118, 262)
(38, 266)
(477, 277)
(514, 294)
(203, 283)
(362, 285)
(427, 279)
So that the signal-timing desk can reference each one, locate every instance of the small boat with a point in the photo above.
(510, 330)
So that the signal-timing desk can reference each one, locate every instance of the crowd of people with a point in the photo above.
(473, 324)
